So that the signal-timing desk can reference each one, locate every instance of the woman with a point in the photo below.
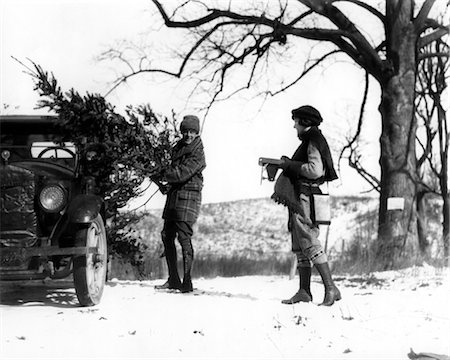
(185, 183)
(310, 166)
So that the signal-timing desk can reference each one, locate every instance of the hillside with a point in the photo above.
(250, 237)
(260, 225)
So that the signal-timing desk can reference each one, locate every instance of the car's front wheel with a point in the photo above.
(89, 271)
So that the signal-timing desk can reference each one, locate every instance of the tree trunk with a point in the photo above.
(397, 141)
(446, 227)
(422, 222)
(397, 162)
(443, 178)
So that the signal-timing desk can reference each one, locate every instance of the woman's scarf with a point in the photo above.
(285, 194)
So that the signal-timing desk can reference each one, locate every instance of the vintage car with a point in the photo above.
(52, 221)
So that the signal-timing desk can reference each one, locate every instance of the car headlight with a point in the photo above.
(53, 198)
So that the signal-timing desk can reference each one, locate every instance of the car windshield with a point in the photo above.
(21, 146)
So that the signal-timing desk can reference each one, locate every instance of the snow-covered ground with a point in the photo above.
(381, 316)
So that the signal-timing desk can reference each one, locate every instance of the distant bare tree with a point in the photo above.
(222, 36)
(432, 164)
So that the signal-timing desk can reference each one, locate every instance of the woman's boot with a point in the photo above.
(304, 293)
(188, 258)
(170, 253)
(332, 293)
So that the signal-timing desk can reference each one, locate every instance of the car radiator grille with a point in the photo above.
(18, 221)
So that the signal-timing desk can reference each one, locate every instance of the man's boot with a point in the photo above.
(174, 282)
(188, 258)
(304, 293)
(332, 293)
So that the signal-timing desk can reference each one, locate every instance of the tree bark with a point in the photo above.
(397, 141)
(397, 175)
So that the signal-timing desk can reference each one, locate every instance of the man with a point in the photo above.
(310, 166)
(185, 183)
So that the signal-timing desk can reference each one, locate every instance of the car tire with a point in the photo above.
(89, 271)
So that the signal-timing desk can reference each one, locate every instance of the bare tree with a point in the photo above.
(432, 139)
(432, 164)
(223, 36)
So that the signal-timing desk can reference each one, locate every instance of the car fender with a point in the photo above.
(84, 208)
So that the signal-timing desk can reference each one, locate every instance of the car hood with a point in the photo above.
(45, 169)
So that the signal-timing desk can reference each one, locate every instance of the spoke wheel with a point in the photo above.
(89, 271)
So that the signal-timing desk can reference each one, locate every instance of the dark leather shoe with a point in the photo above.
(300, 296)
(331, 295)
(187, 286)
(168, 286)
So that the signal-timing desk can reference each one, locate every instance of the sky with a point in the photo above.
(66, 37)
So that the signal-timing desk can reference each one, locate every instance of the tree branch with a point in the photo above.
(213, 15)
(365, 50)
(355, 164)
(369, 8)
(304, 73)
(421, 17)
(354, 157)
(435, 35)
(360, 120)
(360, 50)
